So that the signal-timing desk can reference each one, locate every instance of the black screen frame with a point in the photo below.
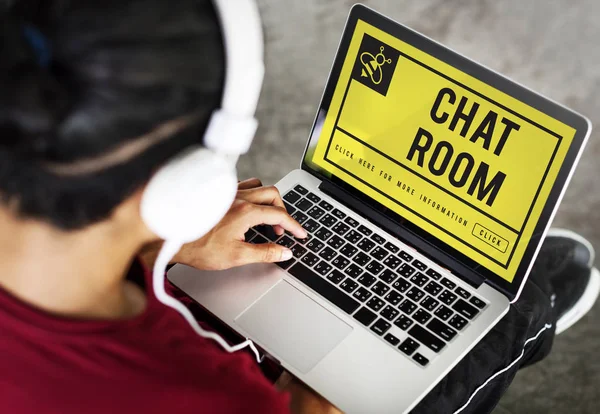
(420, 239)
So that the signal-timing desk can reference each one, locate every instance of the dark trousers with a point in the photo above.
(501, 347)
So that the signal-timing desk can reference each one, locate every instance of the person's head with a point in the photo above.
(95, 96)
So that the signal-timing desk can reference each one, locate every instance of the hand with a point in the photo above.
(224, 246)
(303, 399)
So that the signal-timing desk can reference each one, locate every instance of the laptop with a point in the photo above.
(427, 186)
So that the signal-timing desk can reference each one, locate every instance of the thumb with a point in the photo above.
(264, 253)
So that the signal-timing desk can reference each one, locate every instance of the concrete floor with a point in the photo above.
(548, 45)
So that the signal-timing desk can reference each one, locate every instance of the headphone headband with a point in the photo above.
(232, 128)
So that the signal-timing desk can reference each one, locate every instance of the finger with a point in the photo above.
(263, 195)
(263, 253)
(254, 215)
(249, 183)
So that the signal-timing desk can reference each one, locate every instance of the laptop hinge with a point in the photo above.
(422, 246)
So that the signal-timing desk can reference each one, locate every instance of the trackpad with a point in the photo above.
(293, 326)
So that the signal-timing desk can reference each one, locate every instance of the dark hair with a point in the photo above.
(118, 69)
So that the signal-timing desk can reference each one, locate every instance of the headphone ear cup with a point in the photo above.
(188, 196)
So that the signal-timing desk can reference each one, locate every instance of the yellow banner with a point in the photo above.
(462, 160)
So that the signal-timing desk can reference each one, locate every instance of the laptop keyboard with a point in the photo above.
(375, 281)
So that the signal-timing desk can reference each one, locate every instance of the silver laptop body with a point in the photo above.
(378, 336)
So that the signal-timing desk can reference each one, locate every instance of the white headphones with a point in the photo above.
(193, 192)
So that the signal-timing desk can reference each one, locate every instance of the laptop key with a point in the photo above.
(327, 254)
(380, 288)
(403, 322)
(286, 242)
(362, 294)
(315, 245)
(408, 350)
(458, 322)
(339, 214)
(401, 285)
(353, 236)
(429, 303)
(433, 288)
(392, 262)
(323, 234)
(310, 260)
(462, 293)
(349, 285)
(415, 294)
(419, 279)
(323, 268)
(477, 302)
(361, 259)
(420, 359)
(447, 297)
(301, 189)
(292, 197)
(389, 313)
(379, 253)
(316, 212)
(324, 288)
(286, 264)
(312, 197)
(353, 271)
(267, 231)
(325, 205)
(340, 228)
(441, 329)
(375, 303)
(465, 309)
(366, 245)
(448, 283)
(300, 217)
(303, 205)
(405, 256)
(336, 242)
(392, 248)
(443, 312)
(393, 297)
(406, 270)
(387, 276)
(258, 239)
(374, 267)
(391, 339)
(351, 222)
(365, 316)
(421, 316)
(348, 250)
(366, 280)
(327, 220)
(288, 207)
(249, 235)
(407, 307)
(381, 326)
(365, 230)
(340, 262)
(378, 239)
(310, 225)
(433, 274)
(428, 339)
(419, 265)
(336, 277)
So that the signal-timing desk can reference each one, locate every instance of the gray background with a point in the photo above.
(549, 45)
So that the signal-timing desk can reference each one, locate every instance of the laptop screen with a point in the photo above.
(469, 164)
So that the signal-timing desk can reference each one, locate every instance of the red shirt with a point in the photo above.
(153, 363)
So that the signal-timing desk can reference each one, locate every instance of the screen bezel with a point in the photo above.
(428, 245)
